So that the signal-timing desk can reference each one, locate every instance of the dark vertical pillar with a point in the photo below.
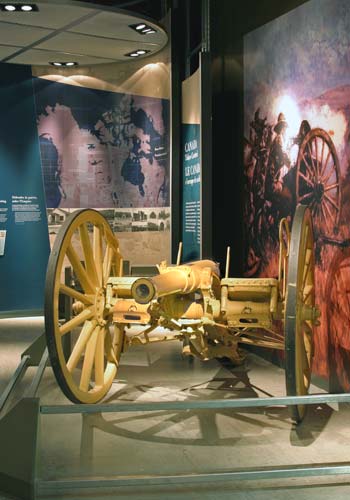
(206, 157)
(176, 55)
(206, 135)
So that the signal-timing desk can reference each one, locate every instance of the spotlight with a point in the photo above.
(58, 63)
(19, 7)
(142, 28)
(137, 53)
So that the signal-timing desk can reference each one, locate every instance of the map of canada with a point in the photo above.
(102, 149)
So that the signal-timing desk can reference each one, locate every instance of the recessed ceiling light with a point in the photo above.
(137, 53)
(58, 63)
(19, 7)
(142, 28)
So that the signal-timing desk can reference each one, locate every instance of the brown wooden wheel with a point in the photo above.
(85, 371)
(318, 182)
(300, 311)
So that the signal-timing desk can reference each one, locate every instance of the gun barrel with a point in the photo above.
(182, 279)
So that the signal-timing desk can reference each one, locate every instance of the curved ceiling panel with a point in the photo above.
(74, 31)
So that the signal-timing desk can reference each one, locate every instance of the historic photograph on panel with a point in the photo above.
(296, 150)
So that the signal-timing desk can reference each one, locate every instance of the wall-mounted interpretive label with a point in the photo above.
(26, 209)
(3, 211)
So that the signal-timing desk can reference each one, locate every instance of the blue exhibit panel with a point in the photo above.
(24, 241)
(191, 192)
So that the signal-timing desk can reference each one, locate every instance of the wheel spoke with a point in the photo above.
(332, 186)
(306, 268)
(332, 202)
(74, 294)
(326, 220)
(307, 166)
(308, 289)
(326, 162)
(88, 254)
(304, 357)
(89, 359)
(97, 243)
(79, 270)
(100, 358)
(306, 370)
(321, 160)
(80, 345)
(316, 154)
(305, 196)
(312, 158)
(306, 179)
(329, 175)
(330, 216)
(76, 321)
(107, 263)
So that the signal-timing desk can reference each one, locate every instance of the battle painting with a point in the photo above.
(297, 150)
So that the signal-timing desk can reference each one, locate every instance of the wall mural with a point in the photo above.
(297, 150)
(109, 151)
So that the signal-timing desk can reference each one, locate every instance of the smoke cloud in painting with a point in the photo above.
(297, 150)
(334, 122)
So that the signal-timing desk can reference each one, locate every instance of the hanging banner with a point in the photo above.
(191, 208)
(24, 242)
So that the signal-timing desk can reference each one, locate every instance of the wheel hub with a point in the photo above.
(319, 192)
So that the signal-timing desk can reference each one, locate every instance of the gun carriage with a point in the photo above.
(212, 317)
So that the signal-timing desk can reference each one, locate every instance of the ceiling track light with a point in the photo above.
(19, 7)
(143, 29)
(137, 53)
(63, 64)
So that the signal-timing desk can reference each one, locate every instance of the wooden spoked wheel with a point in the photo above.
(318, 180)
(86, 369)
(300, 309)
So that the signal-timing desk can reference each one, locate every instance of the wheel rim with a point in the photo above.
(86, 243)
(299, 309)
(318, 182)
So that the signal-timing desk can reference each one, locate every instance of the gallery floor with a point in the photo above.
(188, 441)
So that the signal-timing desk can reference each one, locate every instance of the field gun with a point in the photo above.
(211, 316)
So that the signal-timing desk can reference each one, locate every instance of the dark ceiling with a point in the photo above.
(156, 9)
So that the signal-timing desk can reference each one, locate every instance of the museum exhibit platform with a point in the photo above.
(179, 442)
